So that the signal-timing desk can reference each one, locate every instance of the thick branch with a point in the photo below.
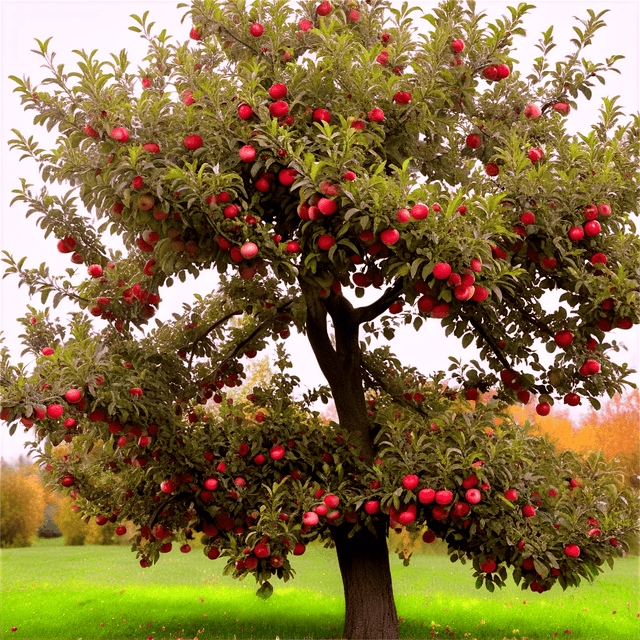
(491, 342)
(317, 332)
(371, 312)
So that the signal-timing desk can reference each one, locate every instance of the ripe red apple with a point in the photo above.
(73, 395)
(324, 8)
(527, 218)
(426, 496)
(576, 234)
(419, 211)
(563, 338)
(604, 209)
(327, 207)
(532, 111)
(406, 517)
(442, 270)
(245, 111)
(249, 250)
(572, 550)
(277, 452)
(490, 73)
(457, 45)
(439, 513)
(535, 154)
(502, 71)
(278, 91)
(488, 566)
(428, 537)
(331, 501)
(120, 134)
(402, 97)
(321, 115)
(256, 30)
(167, 486)
(376, 115)
(310, 519)
(247, 153)
(473, 496)
(572, 399)
(389, 237)
(592, 228)
(461, 509)
(325, 242)
(54, 411)
(278, 109)
(528, 511)
(193, 141)
(410, 482)
(543, 408)
(474, 140)
(444, 497)
(211, 484)
(591, 212)
(95, 270)
(562, 108)
(67, 481)
(492, 169)
(511, 494)
(372, 506)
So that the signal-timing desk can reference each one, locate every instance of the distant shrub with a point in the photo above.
(23, 504)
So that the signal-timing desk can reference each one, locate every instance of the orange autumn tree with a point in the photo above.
(614, 429)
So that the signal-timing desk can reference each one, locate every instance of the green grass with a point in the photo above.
(52, 592)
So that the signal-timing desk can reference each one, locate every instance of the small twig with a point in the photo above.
(491, 342)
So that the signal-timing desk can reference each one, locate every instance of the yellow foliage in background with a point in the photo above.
(23, 505)
(76, 532)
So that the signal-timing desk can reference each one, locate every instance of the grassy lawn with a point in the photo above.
(51, 591)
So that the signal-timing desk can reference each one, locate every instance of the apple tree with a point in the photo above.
(329, 169)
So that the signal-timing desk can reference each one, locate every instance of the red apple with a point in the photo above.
(245, 111)
(211, 484)
(576, 234)
(167, 486)
(325, 242)
(277, 452)
(473, 496)
(444, 497)
(426, 496)
(511, 494)
(532, 111)
(527, 218)
(321, 115)
(543, 408)
(428, 537)
(247, 153)
(310, 519)
(95, 270)
(390, 236)
(457, 45)
(502, 71)
(324, 8)
(489, 566)
(372, 506)
(528, 511)
(410, 482)
(256, 30)
(492, 169)
(563, 338)
(54, 411)
(419, 211)
(442, 270)
(120, 134)
(572, 550)
(592, 228)
(562, 108)
(474, 140)
(490, 73)
(376, 115)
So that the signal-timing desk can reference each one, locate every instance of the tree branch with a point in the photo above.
(491, 342)
(371, 312)
(395, 393)
(204, 334)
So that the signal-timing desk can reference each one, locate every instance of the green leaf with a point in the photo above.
(265, 591)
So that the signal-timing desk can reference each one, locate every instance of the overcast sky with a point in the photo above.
(104, 26)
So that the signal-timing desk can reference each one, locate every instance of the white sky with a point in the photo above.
(104, 26)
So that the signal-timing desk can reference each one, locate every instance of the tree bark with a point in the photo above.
(370, 608)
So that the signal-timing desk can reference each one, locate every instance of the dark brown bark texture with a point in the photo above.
(370, 610)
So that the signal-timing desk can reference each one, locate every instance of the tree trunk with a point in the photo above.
(370, 609)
